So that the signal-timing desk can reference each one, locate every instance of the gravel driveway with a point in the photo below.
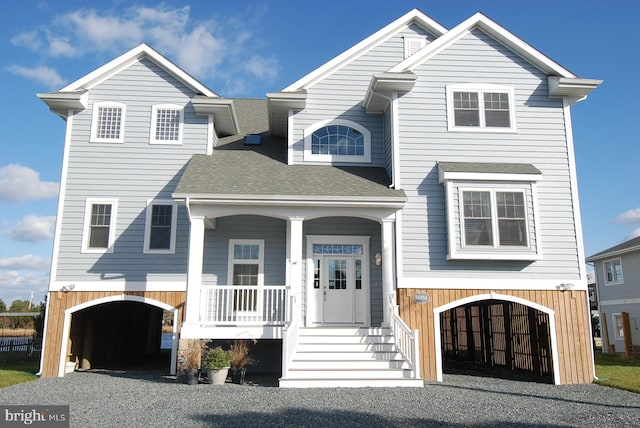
(115, 399)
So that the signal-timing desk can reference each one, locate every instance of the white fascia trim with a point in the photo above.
(395, 141)
(575, 199)
(61, 196)
(114, 66)
(212, 137)
(365, 45)
(118, 285)
(619, 302)
(612, 254)
(472, 282)
(485, 24)
(287, 200)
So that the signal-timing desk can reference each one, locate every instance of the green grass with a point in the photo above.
(618, 371)
(17, 372)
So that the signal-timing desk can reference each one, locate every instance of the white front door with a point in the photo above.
(339, 290)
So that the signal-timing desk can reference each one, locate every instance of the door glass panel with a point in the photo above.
(358, 274)
(316, 273)
(337, 274)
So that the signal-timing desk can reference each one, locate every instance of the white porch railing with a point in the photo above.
(243, 305)
(406, 339)
(289, 335)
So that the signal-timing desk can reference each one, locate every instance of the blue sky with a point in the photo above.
(249, 48)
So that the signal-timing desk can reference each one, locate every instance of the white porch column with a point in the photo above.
(294, 279)
(194, 274)
(387, 266)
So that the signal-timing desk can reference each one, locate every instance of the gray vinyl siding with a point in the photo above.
(216, 250)
(629, 288)
(540, 140)
(387, 129)
(340, 94)
(355, 227)
(131, 172)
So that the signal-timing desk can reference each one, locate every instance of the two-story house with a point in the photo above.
(617, 272)
(408, 208)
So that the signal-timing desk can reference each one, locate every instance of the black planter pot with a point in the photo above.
(237, 375)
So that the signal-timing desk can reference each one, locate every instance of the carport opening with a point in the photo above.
(121, 335)
(497, 339)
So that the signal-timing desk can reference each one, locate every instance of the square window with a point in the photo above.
(167, 124)
(107, 125)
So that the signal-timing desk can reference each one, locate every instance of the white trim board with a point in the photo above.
(118, 285)
(470, 282)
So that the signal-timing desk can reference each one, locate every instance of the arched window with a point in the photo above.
(337, 140)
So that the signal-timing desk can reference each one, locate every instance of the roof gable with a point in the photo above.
(141, 51)
(628, 246)
(494, 30)
(413, 16)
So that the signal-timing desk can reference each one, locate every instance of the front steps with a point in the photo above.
(347, 357)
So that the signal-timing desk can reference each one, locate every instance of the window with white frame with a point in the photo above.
(107, 124)
(337, 140)
(161, 224)
(491, 211)
(99, 226)
(613, 272)
(486, 107)
(618, 328)
(246, 266)
(166, 125)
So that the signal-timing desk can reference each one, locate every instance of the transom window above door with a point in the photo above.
(337, 141)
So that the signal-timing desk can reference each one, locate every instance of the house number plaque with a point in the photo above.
(420, 298)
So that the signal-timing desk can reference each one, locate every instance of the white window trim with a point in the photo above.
(232, 260)
(604, 271)
(480, 89)
(617, 336)
(408, 40)
(310, 157)
(458, 251)
(154, 124)
(94, 123)
(87, 226)
(147, 228)
(494, 217)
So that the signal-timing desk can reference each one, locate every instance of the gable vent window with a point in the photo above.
(167, 124)
(413, 45)
(107, 125)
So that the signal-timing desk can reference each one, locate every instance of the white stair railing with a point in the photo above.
(289, 335)
(405, 339)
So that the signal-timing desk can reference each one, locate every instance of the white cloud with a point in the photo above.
(32, 229)
(631, 216)
(26, 262)
(44, 75)
(15, 285)
(20, 183)
(219, 47)
(633, 234)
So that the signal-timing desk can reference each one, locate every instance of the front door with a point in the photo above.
(339, 291)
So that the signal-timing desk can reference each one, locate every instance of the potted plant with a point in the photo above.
(217, 361)
(192, 363)
(240, 360)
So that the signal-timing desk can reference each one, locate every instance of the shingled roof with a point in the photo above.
(238, 171)
(632, 244)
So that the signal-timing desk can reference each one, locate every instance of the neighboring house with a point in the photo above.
(408, 208)
(617, 272)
